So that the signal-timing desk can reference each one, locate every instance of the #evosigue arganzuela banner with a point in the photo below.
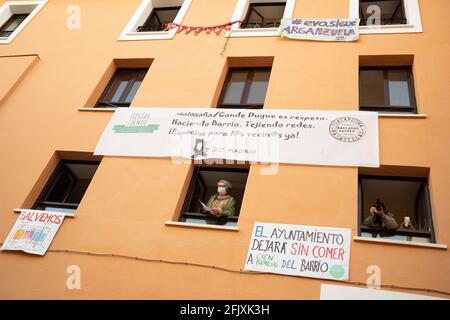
(320, 29)
(308, 251)
(318, 137)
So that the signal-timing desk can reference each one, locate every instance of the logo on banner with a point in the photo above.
(138, 123)
(199, 149)
(347, 129)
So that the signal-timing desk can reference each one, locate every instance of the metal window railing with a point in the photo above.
(386, 21)
(5, 34)
(257, 25)
(150, 28)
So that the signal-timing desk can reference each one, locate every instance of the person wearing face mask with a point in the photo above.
(222, 203)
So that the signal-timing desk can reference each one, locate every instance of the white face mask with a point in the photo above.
(221, 190)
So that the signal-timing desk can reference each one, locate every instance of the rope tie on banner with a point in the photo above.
(240, 271)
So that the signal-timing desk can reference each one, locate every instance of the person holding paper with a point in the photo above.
(221, 203)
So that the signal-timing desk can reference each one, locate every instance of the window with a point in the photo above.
(391, 11)
(158, 19)
(245, 88)
(15, 15)
(148, 22)
(261, 17)
(389, 89)
(11, 24)
(405, 203)
(122, 88)
(203, 187)
(396, 16)
(67, 185)
(264, 15)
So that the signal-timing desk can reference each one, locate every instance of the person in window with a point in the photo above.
(222, 203)
(380, 217)
(407, 224)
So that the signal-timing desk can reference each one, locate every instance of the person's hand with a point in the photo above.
(372, 211)
(215, 212)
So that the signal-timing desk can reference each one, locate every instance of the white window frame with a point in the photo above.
(17, 7)
(240, 11)
(412, 13)
(143, 12)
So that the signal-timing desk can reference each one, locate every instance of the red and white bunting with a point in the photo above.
(217, 29)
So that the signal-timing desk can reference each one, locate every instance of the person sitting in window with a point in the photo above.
(380, 217)
(221, 203)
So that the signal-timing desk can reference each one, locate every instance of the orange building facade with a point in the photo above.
(57, 66)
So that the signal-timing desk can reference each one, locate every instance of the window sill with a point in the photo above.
(98, 109)
(393, 28)
(5, 40)
(257, 32)
(402, 243)
(402, 115)
(200, 226)
(148, 35)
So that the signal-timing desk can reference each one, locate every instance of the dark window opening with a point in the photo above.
(391, 12)
(245, 88)
(396, 208)
(264, 15)
(122, 88)
(388, 89)
(67, 186)
(158, 19)
(204, 188)
(12, 24)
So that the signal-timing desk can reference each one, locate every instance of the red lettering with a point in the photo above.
(328, 253)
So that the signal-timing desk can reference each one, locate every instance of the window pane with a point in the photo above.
(158, 18)
(119, 91)
(235, 88)
(264, 14)
(71, 183)
(399, 88)
(391, 11)
(404, 200)
(83, 174)
(13, 22)
(372, 88)
(167, 16)
(258, 88)
(133, 91)
(388, 8)
(119, 85)
(60, 189)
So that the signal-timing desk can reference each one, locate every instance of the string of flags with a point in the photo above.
(217, 29)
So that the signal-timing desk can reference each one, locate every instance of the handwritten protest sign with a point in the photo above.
(320, 29)
(33, 231)
(308, 251)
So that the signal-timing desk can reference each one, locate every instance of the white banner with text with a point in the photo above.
(317, 137)
(320, 29)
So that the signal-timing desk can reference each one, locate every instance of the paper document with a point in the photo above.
(205, 207)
